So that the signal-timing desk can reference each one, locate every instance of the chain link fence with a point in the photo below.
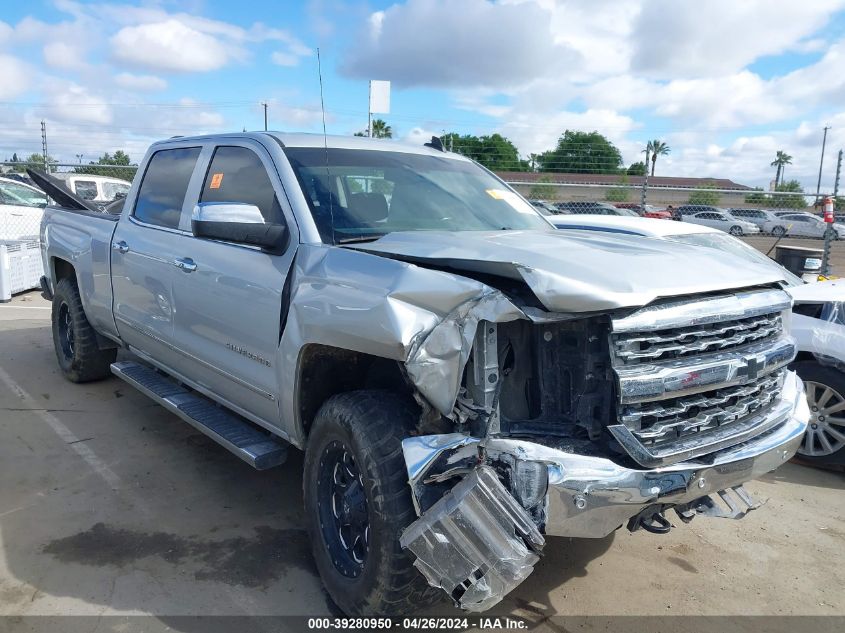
(22, 202)
(740, 211)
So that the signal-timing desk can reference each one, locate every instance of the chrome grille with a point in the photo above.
(654, 423)
(631, 348)
(695, 369)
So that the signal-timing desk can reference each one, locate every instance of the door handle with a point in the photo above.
(121, 247)
(185, 264)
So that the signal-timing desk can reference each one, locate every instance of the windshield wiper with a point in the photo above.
(360, 238)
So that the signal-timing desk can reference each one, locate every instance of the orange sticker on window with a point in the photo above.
(216, 181)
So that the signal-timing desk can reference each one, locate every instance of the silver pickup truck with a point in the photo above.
(464, 379)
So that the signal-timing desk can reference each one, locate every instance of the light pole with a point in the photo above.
(79, 158)
(821, 163)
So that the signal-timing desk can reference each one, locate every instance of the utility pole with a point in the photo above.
(44, 145)
(645, 181)
(821, 164)
(264, 103)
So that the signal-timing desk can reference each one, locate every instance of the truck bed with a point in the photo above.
(82, 238)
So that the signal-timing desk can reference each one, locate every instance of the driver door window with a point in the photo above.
(236, 174)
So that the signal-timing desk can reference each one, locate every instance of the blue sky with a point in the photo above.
(725, 83)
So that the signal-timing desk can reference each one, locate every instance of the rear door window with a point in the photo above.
(163, 188)
(85, 189)
(236, 174)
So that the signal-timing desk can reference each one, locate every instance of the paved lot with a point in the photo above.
(110, 505)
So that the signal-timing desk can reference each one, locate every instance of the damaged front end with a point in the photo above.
(574, 427)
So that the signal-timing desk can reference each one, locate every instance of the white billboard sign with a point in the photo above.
(379, 97)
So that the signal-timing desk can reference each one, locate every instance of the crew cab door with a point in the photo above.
(229, 298)
(145, 247)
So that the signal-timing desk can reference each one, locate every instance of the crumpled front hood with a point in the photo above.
(580, 272)
(818, 292)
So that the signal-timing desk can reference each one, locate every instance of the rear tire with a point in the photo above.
(736, 231)
(77, 350)
(825, 388)
(358, 502)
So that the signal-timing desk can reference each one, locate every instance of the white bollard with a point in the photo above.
(5, 275)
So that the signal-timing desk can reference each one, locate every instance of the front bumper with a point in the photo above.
(590, 497)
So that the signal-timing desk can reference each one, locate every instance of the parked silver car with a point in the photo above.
(723, 221)
(766, 220)
(806, 225)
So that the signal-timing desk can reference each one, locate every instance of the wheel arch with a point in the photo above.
(324, 371)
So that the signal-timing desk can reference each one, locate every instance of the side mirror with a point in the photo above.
(238, 222)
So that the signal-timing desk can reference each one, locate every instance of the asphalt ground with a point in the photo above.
(110, 506)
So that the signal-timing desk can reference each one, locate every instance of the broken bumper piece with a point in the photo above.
(476, 543)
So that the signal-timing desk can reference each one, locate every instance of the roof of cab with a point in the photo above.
(318, 140)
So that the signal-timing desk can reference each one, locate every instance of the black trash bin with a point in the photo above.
(800, 260)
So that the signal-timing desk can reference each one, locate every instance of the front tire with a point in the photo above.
(736, 231)
(778, 231)
(824, 441)
(357, 503)
(77, 350)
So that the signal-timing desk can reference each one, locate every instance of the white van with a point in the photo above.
(93, 187)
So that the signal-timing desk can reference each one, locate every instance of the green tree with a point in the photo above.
(619, 194)
(782, 159)
(636, 169)
(705, 195)
(36, 161)
(758, 197)
(582, 153)
(616, 194)
(796, 201)
(495, 152)
(656, 148)
(381, 129)
(106, 164)
(542, 190)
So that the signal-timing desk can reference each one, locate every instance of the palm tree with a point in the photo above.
(656, 148)
(381, 129)
(782, 159)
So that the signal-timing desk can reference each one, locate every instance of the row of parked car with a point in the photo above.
(734, 221)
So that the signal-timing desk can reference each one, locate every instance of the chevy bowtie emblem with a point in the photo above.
(752, 367)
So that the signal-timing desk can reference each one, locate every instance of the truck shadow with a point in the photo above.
(192, 530)
(806, 475)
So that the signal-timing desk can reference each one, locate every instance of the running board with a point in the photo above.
(257, 448)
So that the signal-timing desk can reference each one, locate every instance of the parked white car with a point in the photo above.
(806, 225)
(818, 325)
(21, 208)
(722, 221)
(767, 221)
(93, 187)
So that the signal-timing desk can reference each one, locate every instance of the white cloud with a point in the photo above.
(71, 103)
(472, 43)
(141, 83)
(172, 46)
(689, 38)
(16, 77)
(64, 55)
(281, 58)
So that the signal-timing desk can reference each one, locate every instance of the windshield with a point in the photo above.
(363, 194)
(113, 189)
(729, 244)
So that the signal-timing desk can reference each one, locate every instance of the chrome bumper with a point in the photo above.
(590, 497)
